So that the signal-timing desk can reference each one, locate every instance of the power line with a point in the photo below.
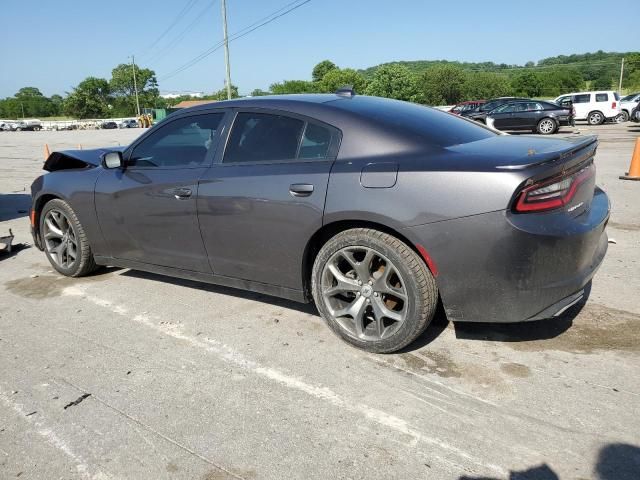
(158, 55)
(188, 6)
(241, 33)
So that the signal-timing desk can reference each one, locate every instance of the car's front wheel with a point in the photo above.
(373, 290)
(64, 240)
(547, 126)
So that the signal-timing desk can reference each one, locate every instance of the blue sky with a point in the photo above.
(53, 45)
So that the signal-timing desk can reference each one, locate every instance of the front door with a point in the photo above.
(264, 196)
(502, 118)
(147, 210)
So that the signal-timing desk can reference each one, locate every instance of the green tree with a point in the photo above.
(32, 102)
(294, 86)
(222, 94)
(485, 85)
(603, 82)
(90, 99)
(527, 84)
(122, 88)
(258, 93)
(563, 80)
(321, 69)
(336, 78)
(443, 84)
(394, 81)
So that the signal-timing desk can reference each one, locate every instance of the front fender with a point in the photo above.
(76, 187)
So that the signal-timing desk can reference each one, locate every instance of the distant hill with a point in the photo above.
(591, 65)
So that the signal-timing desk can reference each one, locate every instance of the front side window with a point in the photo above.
(602, 97)
(263, 137)
(584, 98)
(184, 142)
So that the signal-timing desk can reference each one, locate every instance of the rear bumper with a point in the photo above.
(504, 267)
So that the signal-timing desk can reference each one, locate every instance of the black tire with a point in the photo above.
(624, 116)
(595, 118)
(418, 283)
(84, 262)
(547, 126)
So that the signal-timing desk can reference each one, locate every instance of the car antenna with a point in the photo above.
(346, 91)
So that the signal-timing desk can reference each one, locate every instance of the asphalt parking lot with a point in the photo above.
(133, 375)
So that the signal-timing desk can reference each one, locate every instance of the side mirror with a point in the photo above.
(113, 160)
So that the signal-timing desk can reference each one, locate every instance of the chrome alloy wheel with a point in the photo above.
(547, 126)
(595, 118)
(364, 292)
(60, 239)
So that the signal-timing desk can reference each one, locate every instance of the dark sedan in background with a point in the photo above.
(540, 117)
(480, 114)
(373, 208)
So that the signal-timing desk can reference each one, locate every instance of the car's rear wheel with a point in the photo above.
(547, 126)
(595, 118)
(64, 240)
(373, 290)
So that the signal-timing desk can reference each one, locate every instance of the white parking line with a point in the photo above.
(52, 438)
(230, 355)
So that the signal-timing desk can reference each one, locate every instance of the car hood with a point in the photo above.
(518, 152)
(74, 159)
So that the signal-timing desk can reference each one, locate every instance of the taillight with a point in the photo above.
(613, 104)
(554, 192)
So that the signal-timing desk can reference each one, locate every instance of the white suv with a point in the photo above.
(594, 107)
(628, 103)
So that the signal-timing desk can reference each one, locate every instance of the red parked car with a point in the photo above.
(466, 106)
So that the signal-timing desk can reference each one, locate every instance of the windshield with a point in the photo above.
(628, 98)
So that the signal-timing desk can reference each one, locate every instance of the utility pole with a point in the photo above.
(22, 106)
(621, 72)
(135, 83)
(223, 3)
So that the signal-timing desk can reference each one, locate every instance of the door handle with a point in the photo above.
(182, 193)
(300, 189)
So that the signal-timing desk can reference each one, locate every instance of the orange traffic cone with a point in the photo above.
(46, 151)
(634, 168)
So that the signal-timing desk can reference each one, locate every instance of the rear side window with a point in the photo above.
(315, 142)
(261, 137)
(617, 95)
(602, 97)
(583, 98)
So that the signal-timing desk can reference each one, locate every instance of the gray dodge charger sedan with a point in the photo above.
(373, 208)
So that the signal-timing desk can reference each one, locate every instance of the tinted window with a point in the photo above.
(602, 97)
(507, 108)
(534, 107)
(616, 95)
(436, 127)
(259, 137)
(179, 143)
(315, 142)
(584, 98)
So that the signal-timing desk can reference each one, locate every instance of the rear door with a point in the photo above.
(531, 113)
(264, 196)
(147, 211)
(582, 105)
(503, 117)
